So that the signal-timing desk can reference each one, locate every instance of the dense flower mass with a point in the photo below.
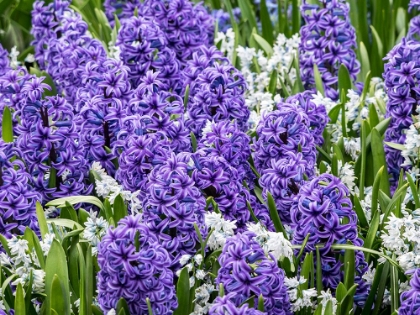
(323, 211)
(246, 271)
(328, 41)
(179, 157)
(135, 267)
(401, 81)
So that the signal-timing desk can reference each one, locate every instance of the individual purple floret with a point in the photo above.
(143, 47)
(329, 41)
(17, 195)
(216, 92)
(224, 305)
(284, 130)
(410, 300)
(134, 266)
(173, 204)
(317, 114)
(414, 29)
(401, 80)
(323, 211)
(246, 271)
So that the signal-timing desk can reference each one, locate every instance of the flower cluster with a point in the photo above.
(173, 204)
(216, 91)
(135, 266)
(319, 212)
(401, 82)
(400, 237)
(328, 41)
(17, 195)
(246, 271)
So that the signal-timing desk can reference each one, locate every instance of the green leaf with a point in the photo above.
(359, 211)
(120, 209)
(56, 264)
(58, 300)
(373, 116)
(193, 141)
(122, 305)
(60, 202)
(248, 13)
(42, 222)
(66, 223)
(274, 215)
(363, 158)
(349, 268)
(364, 60)
(334, 112)
(396, 146)
(267, 27)
(263, 44)
(377, 289)
(7, 125)
(379, 161)
(20, 307)
(183, 293)
(186, 96)
(272, 86)
(149, 306)
(394, 289)
(344, 81)
(251, 212)
(319, 286)
(329, 308)
(318, 81)
(261, 303)
(414, 190)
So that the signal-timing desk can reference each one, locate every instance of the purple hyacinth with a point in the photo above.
(317, 114)
(45, 20)
(187, 26)
(222, 167)
(143, 47)
(246, 271)
(216, 92)
(329, 41)
(121, 8)
(324, 211)
(17, 195)
(224, 305)
(102, 113)
(134, 266)
(401, 80)
(410, 300)
(283, 180)
(226, 140)
(50, 144)
(284, 130)
(173, 204)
